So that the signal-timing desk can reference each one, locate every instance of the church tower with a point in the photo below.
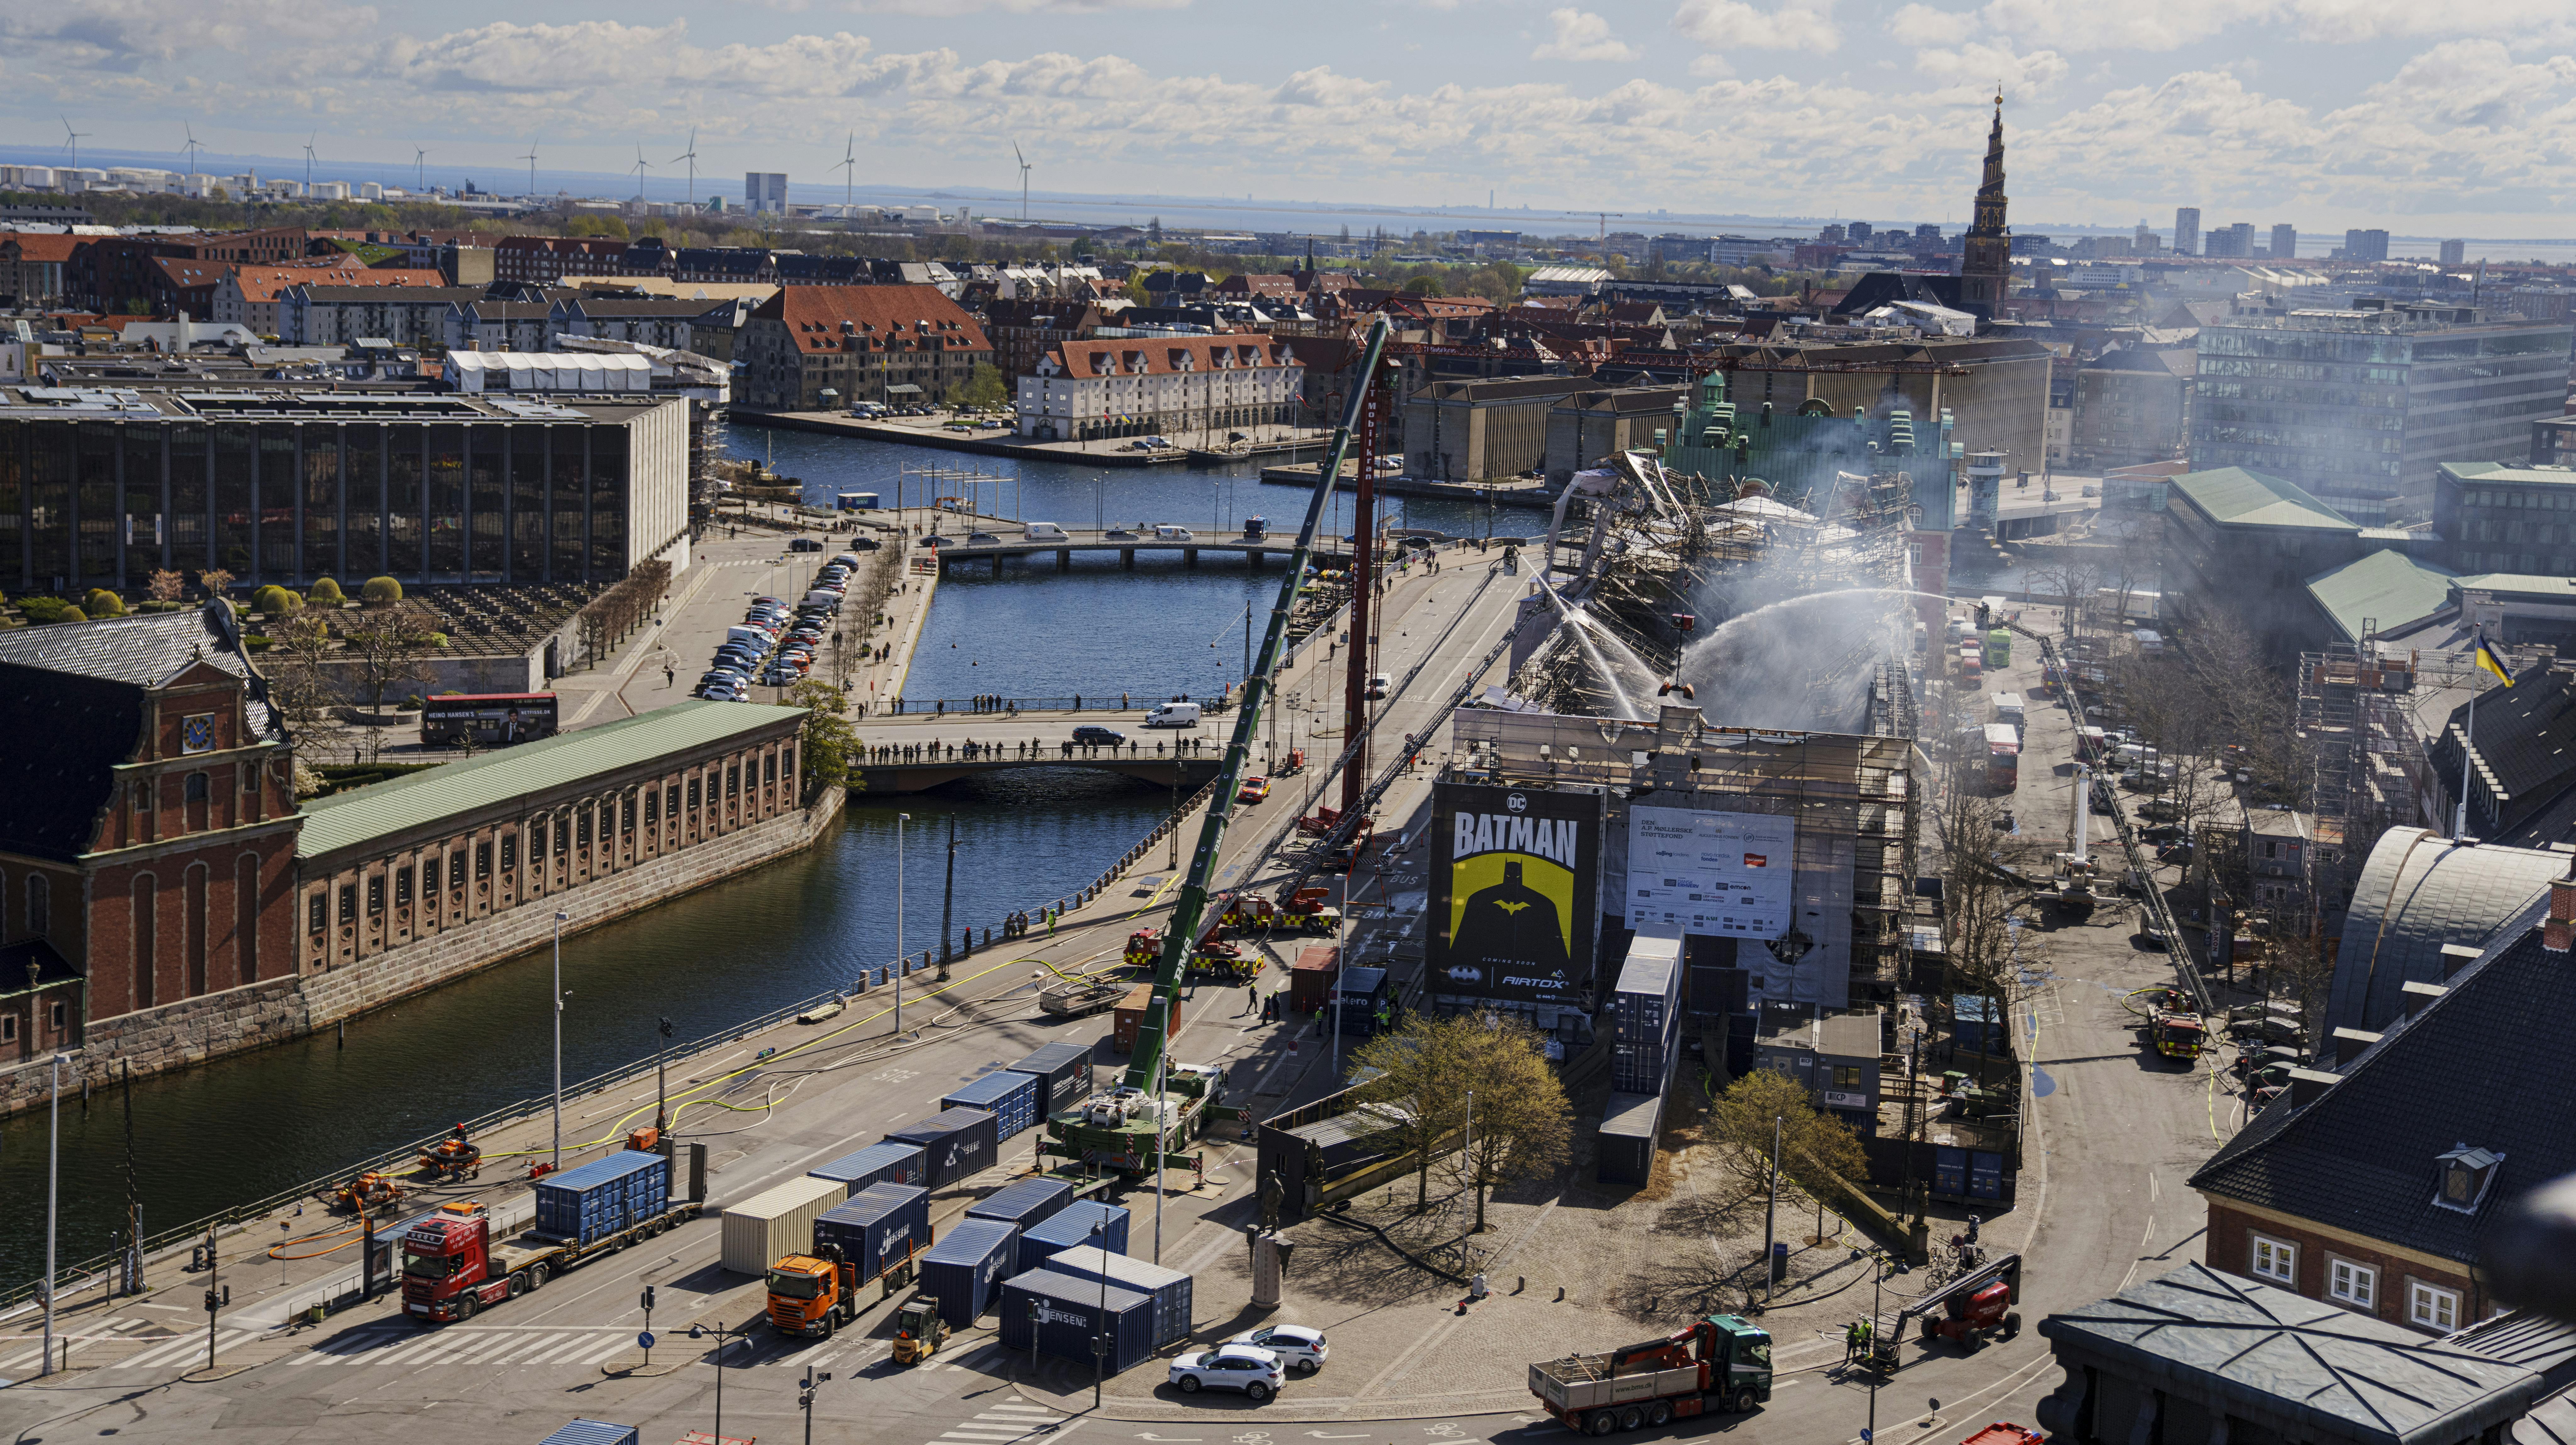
(1986, 266)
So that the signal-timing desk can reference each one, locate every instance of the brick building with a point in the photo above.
(1025, 329)
(548, 259)
(254, 296)
(147, 825)
(859, 343)
(32, 265)
(2374, 1187)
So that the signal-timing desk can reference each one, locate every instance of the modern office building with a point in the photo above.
(2361, 406)
(765, 191)
(2187, 230)
(2235, 240)
(101, 488)
(2360, 245)
(2285, 242)
(2454, 252)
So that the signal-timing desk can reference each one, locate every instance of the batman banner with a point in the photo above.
(1513, 904)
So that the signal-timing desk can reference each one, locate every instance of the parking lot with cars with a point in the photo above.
(775, 644)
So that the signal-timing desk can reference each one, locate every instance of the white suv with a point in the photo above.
(1298, 1347)
(1228, 1367)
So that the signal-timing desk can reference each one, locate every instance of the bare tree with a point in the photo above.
(388, 647)
(2075, 574)
(301, 686)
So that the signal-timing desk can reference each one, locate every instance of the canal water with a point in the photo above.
(246, 1127)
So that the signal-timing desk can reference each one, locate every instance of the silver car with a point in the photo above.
(1300, 1349)
(1228, 1367)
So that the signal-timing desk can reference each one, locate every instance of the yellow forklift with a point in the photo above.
(918, 1330)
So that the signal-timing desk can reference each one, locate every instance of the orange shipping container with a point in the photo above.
(1310, 978)
(1131, 1015)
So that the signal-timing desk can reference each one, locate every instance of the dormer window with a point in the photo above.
(2463, 1176)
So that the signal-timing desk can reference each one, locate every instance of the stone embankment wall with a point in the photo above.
(276, 1010)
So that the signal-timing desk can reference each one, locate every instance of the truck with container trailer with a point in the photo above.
(452, 1265)
(2003, 757)
(873, 1238)
(1723, 1363)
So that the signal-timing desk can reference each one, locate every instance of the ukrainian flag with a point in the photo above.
(2489, 660)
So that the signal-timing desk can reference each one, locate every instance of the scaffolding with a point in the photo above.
(2353, 713)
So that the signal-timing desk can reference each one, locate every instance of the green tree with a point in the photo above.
(984, 387)
(380, 591)
(276, 601)
(102, 603)
(613, 227)
(1425, 285)
(829, 744)
(325, 593)
(1486, 1076)
(1812, 1145)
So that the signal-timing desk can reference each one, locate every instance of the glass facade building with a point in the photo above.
(101, 488)
(2362, 407)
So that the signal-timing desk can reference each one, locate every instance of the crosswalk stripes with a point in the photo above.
(1005, 1423)
(183, 1350)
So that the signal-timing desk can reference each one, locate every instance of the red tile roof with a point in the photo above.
(266, 283)
(879, 318)
(42, 245)
(1168, 355)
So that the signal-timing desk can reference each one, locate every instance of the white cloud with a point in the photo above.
(1973, 70)
(1736, 24)
(1917, 25)
(1320, 86)
(1582, 35)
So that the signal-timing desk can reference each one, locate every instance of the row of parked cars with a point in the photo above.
(774, 646)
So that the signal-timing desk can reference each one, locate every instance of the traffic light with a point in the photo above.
(648, 1299)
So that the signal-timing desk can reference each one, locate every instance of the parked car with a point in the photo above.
(1248, 1368)
(722, 692)
(1093, 733)
(1300, 1348)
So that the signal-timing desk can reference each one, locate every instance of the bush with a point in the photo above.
(381, 590)
(73, 614)
(409, 704)
(276, 601)
(102, 603)
(50, 609)
(326, 593)
(255, 642)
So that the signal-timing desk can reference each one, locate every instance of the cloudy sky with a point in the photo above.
(2425, 117)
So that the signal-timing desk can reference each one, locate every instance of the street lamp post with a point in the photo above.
(560, 920)
(1100, 1321)
(662, 1080)
(725, 1336)
(53, 1163)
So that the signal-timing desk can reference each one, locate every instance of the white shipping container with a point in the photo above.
(775, 1223)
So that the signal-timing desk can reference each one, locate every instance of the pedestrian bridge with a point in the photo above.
(953, 549)
(913, 767)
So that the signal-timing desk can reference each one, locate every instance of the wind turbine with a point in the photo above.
(419, 170)
(691, 156)
(72, 140)
(1024, 179)
(641, 174)
(531, 159)
(308, 163)
(192, 148)
(849, 168)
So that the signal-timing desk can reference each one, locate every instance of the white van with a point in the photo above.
(1166, 532)
(1042, 532)
(825, 597)
(2009, 709)
(1173, 715)
(753, 635)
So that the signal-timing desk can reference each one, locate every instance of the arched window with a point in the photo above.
(40, 901)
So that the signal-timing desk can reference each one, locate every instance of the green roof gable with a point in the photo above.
(2387, 587)
(458, 789)
(2235, 497)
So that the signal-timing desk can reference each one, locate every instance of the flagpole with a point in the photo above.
(2469, 739)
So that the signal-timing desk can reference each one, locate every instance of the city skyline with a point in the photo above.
(1719, 107)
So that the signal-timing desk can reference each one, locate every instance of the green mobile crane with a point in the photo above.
(1161, 1102)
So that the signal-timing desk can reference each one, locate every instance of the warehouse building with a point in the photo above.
(101, 487)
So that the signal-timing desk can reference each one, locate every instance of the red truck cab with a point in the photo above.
(447, 1264)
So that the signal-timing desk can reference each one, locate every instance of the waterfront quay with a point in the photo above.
(993, 441)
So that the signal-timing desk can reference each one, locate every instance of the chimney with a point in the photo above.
(2416, 995)
(2456, 956)
(2558, 935)
(2348, 1044)
(2308, 1085)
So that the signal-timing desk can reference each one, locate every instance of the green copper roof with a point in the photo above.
(495, 779)
(2387, 587)
(2235, 497)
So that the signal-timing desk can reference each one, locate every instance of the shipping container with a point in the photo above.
(1131, 1013)
(1024, 1204)
(1074, 1226)
(1624, 1152)
(877, 1164)
(1646, 1005)
(1363, 994)
(1062, 1316)
(1009, 1096)
(964, 1270)
(955, 1143)
(1311, 977)
(602, 1197)
(1066, 1068)
(1640, 1068)
(777, 1222)
(878, 1227)
(1169, 1287)
(595, 1432)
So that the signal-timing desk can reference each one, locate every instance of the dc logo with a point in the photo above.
(1517, 803)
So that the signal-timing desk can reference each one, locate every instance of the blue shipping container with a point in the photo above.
(964, 1270)
(1011, 1097)
(1070, 1227)
(1169, 1287)
(595, 1432)
(958, 1142)
(877, 1164)
(1024, 1203)
(1062, 1315)
(878, 1228)
(604, 1196)
(1067, 1071)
